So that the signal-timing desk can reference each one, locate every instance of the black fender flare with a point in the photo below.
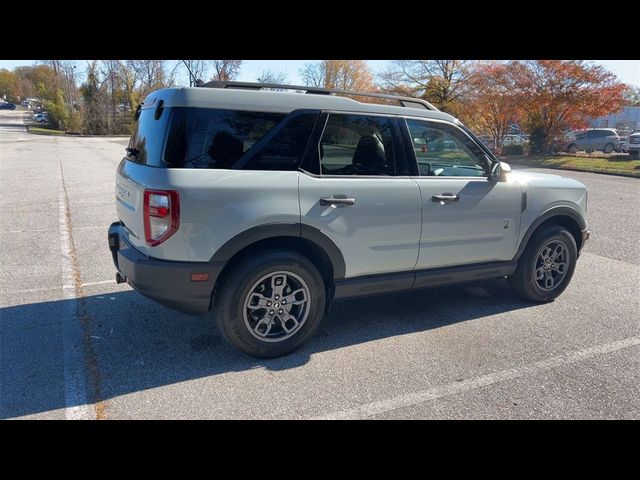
(560, 211)
(284, 229)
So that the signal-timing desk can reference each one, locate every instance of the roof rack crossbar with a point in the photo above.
(404, 101)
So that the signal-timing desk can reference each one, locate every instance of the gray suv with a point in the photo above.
(601, 139)
(633, 144)
(263, 206)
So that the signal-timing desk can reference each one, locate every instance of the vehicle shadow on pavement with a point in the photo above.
(139, 344)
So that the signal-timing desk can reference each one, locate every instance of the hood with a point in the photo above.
(544, 180)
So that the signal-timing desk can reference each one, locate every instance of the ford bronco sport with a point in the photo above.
(263, 206)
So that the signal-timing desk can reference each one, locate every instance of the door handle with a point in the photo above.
(445, 198)
(324, 201)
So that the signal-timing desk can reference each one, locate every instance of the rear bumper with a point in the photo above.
(166, 282)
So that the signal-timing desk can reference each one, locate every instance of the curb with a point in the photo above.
(96, 136)
(584, 170)
(74, 134)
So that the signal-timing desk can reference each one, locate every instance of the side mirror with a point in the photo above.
(499, 171)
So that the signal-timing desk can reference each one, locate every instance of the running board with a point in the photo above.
(436, 277)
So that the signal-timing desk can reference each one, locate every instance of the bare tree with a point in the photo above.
(196, 70)
(338, 74)
(271, 76)
(152, 75)
(226, 70)
(313, 74)
(631, 96)
(65, 78)
(95, 96)
(110, 71)
(441, 82)
(130, 81)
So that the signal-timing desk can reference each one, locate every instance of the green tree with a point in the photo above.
(58, 112)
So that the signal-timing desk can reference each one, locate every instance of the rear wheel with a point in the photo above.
(608, 148)
(547, 265)
(572, 149)
(271, 304)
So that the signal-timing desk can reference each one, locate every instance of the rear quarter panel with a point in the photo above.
(216, 205)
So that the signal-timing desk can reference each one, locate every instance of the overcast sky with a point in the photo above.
(627, 71)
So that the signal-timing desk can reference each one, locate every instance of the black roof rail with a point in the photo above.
(404, 101)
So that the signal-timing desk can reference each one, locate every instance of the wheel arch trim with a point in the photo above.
(559, 211)
(290, 229)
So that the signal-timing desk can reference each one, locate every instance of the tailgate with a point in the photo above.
(129, 198)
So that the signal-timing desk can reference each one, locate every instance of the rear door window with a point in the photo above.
(230, 139)
(357, 145)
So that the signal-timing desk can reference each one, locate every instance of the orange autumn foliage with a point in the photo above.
(556, 95)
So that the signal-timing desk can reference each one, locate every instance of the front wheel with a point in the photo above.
(547, 265)
(608, 148)
(270, 304)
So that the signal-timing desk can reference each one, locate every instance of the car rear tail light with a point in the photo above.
(161, 210)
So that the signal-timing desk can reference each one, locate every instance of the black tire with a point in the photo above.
(634, 154)
(237, 286)
(572, 148)
(608, 148)
(523, 282)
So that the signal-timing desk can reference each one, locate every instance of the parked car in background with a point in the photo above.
(633, 145)
(622, 146)
(41, 117)
(488, 142)
(7, 106)
(602, 139)
(26, 103)
(513, 140)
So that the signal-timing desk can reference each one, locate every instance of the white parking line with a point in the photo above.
(64, 287)
(89, 284)
(376, 408)
(75, 387)
(37, 230)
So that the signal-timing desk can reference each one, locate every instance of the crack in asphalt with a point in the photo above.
(91, 363)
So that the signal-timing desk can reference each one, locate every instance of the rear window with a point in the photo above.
(230, 139)
(147, 140)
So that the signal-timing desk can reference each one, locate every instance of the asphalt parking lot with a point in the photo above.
(73, 344)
